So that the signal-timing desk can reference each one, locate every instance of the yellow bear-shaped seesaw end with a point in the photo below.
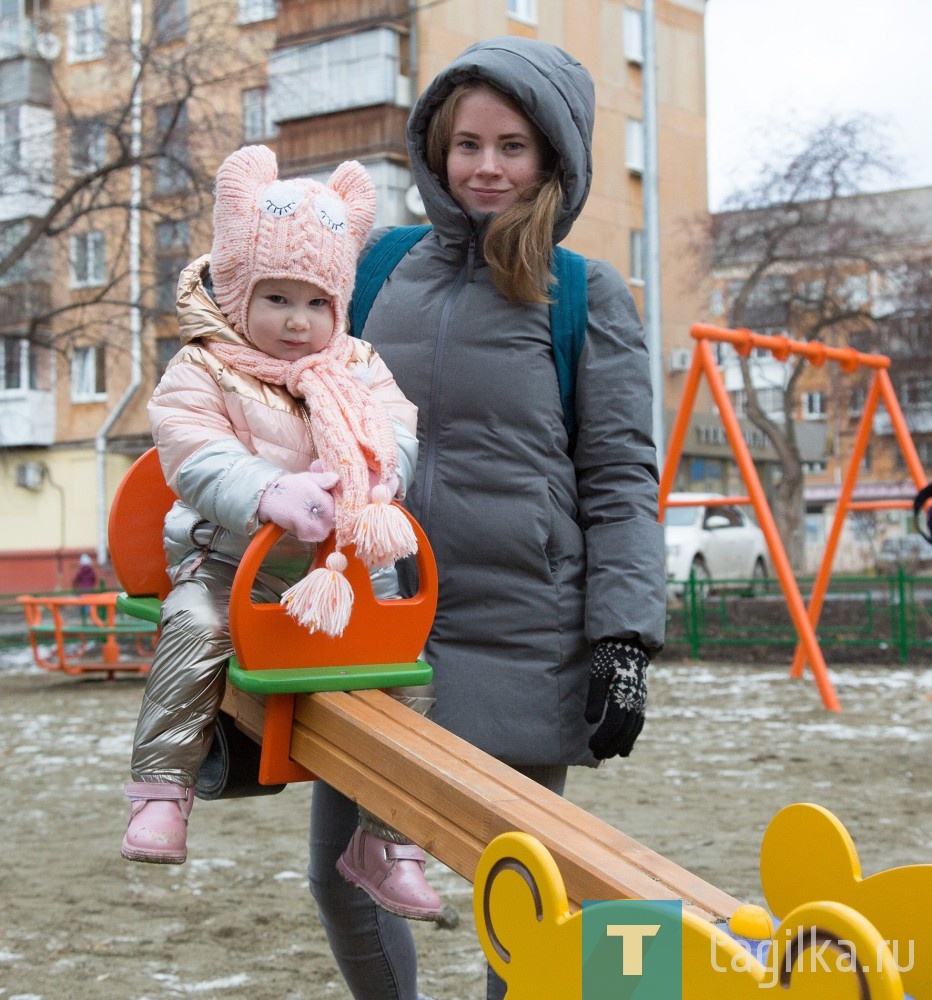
(821, 951)
(807, 854)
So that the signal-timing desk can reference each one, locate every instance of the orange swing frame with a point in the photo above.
(744, 341)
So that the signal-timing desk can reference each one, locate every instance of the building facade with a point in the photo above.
(116, 114)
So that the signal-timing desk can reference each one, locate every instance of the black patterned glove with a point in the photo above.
(617, 696)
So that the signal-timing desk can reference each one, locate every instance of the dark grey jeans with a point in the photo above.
(374, 949)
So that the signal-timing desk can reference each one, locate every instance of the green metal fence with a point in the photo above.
(868, 618)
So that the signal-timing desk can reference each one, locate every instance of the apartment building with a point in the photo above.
(121, 110)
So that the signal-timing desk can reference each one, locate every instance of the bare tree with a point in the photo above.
(797, 252)
(140, 134)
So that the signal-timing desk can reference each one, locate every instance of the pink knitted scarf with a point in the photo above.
(352, 433)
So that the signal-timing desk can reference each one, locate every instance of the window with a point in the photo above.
(24, 364)
(634, 145)
(88, 146)
(171, 255)
(88, 374)
(86, 33)
(770, 400)
(171, 122)
(891, 290)
(35, 261)
(731, 515)
(256, 121)
(11, 28)
(915, 391)
(813, 405)
(812, 292)
(249, 11)
(170, 20)
(523, 10)
(739, 400)
(13, 353)
(855, 291)
(633, 35)
(11, 152)
(856, 401)
(87, 259)
(636, 250)
(717, 302)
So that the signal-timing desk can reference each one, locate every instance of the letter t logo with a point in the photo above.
(632, 948)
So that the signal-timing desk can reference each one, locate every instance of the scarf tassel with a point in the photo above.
(381, 533)
(322, 600)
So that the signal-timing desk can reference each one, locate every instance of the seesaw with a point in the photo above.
(533, 857)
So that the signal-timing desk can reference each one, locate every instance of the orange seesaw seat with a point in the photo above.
(275, 656)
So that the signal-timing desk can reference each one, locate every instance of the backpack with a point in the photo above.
(919, 502)
(569, 311)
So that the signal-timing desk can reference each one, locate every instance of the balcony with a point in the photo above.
(300, 21)
(27, 417)
(357, 70)
(359, 134)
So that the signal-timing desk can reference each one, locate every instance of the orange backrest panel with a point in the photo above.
(265, 637)
(135, 529)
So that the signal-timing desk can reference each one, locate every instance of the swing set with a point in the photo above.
(805, 618)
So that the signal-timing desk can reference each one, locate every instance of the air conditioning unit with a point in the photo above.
(680, 359)
(30, 475)
(48, 46)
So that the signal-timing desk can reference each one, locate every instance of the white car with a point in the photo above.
(712, 541)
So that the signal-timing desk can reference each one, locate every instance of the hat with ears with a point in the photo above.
(293, 228)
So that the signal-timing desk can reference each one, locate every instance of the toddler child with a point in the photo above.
(270, 412)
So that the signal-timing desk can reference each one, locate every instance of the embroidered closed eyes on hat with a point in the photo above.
(298, 228)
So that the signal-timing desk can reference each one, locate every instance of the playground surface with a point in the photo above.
(725, 747)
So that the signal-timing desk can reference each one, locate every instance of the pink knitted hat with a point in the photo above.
(295, 228)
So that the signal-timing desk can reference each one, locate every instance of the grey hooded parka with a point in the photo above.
(541, 552)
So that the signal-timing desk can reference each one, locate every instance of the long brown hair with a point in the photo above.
(518, 244)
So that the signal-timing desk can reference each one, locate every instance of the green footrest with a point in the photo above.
(306, 680)
(146, 608)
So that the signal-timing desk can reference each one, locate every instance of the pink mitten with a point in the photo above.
(301, 503)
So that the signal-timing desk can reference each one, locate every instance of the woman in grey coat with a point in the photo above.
(549, 551)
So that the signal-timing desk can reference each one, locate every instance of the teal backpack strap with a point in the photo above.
(569, 318)
(569, 311)
(375, 267)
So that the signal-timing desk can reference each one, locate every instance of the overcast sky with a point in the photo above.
(776, 61)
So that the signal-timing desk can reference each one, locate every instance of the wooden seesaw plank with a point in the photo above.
(453, 799)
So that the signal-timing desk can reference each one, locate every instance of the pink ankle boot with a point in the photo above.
(158, 822)
(392, 874)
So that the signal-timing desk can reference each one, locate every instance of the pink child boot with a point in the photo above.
(158, 822)
(392, 874)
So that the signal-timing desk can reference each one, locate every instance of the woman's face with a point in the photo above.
(495, 153)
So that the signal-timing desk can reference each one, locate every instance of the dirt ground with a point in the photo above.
(725, 747)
